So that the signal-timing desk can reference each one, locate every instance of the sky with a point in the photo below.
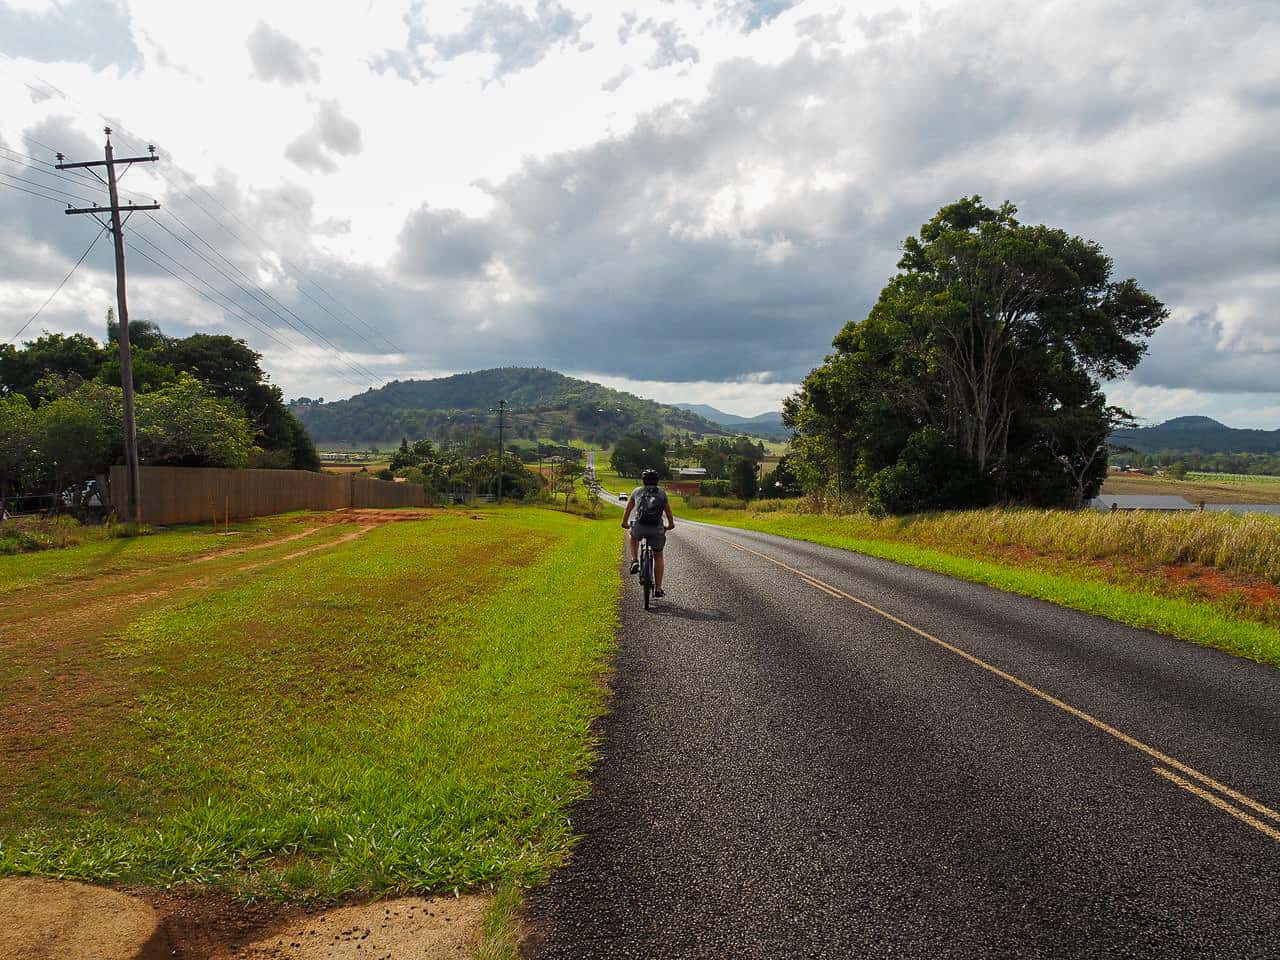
(682, 198)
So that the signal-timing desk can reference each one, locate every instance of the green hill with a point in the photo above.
(1197, 434)
(542, 404)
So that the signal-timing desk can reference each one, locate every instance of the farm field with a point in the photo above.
(340, 706)
(1209, 487)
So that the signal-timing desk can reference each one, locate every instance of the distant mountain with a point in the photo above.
(1203, 434)
(768, 424)
(542, 404)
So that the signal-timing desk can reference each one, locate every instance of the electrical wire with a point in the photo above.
(123, 134)
(359, 368)
(66, 194)
(236, 310)
(61, 284)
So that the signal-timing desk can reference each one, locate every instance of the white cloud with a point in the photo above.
(729, 179)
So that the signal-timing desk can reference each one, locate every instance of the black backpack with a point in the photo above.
(649, 507)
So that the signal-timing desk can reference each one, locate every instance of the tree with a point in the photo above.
(232, 370)
(18, 438)
(742, 478)
(567, 476)
(992, 338)
(403, 457)
(638, 452)
(54, 353)
(187, 425)
(783, 482)
(73, 441)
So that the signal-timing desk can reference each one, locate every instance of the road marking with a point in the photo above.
(1106, 728)
(1218, 802)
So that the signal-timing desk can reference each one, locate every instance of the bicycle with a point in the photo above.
(647, 581)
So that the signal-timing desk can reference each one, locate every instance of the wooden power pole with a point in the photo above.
(116, 227)
(502, 412)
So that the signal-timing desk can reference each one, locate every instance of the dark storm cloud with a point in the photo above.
(278, 58)
(517, 39)
(96, 32)
(1190, 354)
(443, 243)
(332, 133)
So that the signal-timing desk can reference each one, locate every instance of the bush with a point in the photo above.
(713, 488)
(930, 475)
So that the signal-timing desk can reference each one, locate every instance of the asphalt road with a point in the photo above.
(882, 762)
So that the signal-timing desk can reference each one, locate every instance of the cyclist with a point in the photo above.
(649, 502)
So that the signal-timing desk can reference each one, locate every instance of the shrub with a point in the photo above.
(713, 488)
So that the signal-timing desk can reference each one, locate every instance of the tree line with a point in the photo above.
(202, 401)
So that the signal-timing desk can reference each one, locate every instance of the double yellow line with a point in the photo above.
(1192, 780)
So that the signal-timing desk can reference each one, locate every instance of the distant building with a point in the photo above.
(694, 473)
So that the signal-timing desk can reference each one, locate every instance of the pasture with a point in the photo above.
(316, 706)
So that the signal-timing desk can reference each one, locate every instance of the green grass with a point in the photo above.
(409, 711)
(1073, 584)
(97, 553)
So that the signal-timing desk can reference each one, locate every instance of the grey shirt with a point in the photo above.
(658, 491)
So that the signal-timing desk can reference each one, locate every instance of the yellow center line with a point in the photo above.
(1218, 802)
(1106, 728)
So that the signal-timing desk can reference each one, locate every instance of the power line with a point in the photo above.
(21, 159)
(294, 268)
(234, 310)
(359, 368)
(265, 331)
(42, 196)
(66, 194)
(61, 284)
(123, 133)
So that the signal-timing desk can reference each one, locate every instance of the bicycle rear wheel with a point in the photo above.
(646, 572)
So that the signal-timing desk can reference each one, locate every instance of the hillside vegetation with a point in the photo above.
(541, 403)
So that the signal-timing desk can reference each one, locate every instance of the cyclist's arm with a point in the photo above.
(671, 520)
(631, 503)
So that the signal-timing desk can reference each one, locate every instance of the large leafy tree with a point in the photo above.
(638, 452)
(18, 439)
(976, 370)
(53, 353)
(186, 424)
(73, 443)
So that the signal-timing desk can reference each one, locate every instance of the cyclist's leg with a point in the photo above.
(658, 564)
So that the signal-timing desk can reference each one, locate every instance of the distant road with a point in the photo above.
(812, 753)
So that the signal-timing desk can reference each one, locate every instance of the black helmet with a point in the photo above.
(649, 478)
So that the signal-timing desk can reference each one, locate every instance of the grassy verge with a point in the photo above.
(96, 551)
(1129, 593)
(407, 711)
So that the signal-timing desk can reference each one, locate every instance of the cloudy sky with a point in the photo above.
(684, 199)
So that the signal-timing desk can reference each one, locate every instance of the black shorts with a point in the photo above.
(656, 534)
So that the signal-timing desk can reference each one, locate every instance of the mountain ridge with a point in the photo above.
(1197, 433)
(767, 424)
(541, 403)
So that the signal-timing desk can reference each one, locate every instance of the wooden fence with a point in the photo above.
(196, 494)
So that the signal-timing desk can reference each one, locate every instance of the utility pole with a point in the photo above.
(502, 412)
(116, 227)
